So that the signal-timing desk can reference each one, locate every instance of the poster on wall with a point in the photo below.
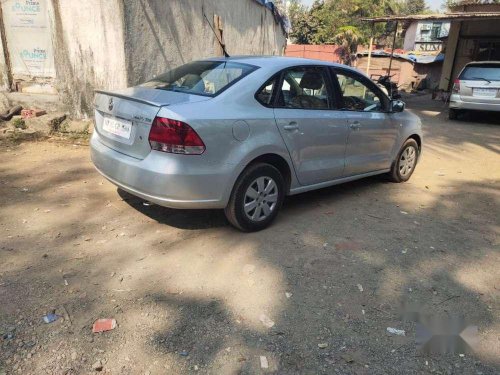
(29, 39)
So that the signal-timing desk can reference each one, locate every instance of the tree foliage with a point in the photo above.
(414, 7)
(321, 22)
(340, 21)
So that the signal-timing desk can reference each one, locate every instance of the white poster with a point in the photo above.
(29, 39)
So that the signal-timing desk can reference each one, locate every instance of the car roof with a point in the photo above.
(277, 61)
(483, 63)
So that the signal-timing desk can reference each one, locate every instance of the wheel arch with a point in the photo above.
(417, 139)
(279, 163)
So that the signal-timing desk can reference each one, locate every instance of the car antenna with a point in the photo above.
(223, 46)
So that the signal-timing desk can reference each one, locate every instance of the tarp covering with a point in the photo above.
(414, 58)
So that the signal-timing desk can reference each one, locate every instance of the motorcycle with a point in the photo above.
(384, 81)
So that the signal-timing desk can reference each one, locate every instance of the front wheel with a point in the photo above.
(256, 198)
(403, 167)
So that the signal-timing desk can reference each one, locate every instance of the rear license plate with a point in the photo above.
(484, 93)
(121, 128)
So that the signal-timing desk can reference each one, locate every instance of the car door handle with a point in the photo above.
(291, 126)
(355, 125)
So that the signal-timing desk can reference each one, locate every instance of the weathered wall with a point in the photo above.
(160, 35)
(410, 36)
(89, 49)
(111, 44)
(4, 71)
(327, 52)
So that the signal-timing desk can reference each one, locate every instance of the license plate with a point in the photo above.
(484, 93)
(121, 128)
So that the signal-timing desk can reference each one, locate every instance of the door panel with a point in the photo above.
(370, 142)
(314, 133)
(372, 134)
(316, 140)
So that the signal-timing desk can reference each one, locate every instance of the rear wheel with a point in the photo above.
(256, 198)
(403, 167)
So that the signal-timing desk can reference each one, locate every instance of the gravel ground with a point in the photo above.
(313, 294)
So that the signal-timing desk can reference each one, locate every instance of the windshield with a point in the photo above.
(208, 78)
(481, 72)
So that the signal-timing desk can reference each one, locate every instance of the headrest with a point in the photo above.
(191, 80)
(311, 80)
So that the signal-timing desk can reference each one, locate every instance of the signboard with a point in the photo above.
(29, 39)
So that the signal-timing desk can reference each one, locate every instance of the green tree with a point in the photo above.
(347, 38)
(414, 7)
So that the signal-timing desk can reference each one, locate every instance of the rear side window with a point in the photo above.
(304, 88)
(207, 78)
(481, 72)
(265, 95)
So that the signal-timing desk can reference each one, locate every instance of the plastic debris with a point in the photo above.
(395, 331)
(288, 294)
(34, 112)
(102, 325)
(404, 251)
(263, 362)
(404, 212)
(50, 318)
(184, 353)
(360, 287)
(268, 322)
(323, 345)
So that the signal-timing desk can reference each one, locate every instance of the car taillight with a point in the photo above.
(456, 86)
(175, 136)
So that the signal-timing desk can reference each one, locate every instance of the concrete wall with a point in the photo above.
(160, 35)
(4, 70)
(89, 52)
(112, 44)
(410, 35)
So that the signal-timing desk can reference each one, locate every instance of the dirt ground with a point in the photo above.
(314, 294)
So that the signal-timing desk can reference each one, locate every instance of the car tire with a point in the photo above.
(406, 161)
(259, 186)
(452, 114)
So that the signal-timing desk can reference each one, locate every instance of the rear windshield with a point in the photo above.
(208, 78)
(481, 72)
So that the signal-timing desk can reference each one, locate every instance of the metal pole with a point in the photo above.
(370, 50)
(392, 56)
(393, 44)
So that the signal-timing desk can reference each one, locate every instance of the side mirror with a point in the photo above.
(397, 106)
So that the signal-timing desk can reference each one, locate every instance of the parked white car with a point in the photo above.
(477, 88)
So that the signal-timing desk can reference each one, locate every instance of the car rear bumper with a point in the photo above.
(457, 103)
(170, 180)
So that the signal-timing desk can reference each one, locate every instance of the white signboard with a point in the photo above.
(29, 39)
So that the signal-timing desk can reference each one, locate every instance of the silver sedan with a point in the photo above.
(241, 133)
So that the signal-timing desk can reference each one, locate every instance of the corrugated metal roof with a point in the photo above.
(456, 16)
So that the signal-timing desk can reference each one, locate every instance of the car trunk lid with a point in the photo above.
(480, 91)
(480, 83)
(123, 119)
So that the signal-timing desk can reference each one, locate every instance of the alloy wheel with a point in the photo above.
(407, 161)
(261, 198)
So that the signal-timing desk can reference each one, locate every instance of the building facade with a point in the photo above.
(426, 36)
(474, 36)
(70, 48)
